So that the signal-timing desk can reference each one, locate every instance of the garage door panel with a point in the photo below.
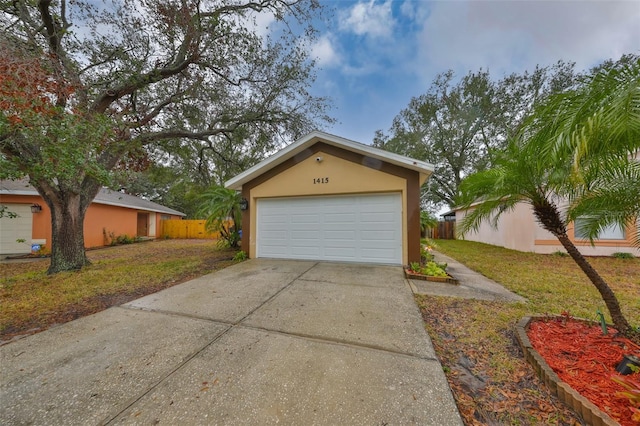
(275, 221)
(384, 217)
(305, 252)
(358, 228)
(305, 235)
(340, 235)
(272, 231)
(379, 255)
(340, 253)
(347, 218)
(304, 218)
(276, 251)
(329, 244)
(302, 243)
(379, 236)
(275, 239)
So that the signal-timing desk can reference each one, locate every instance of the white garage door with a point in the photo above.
(12, 229)
(354, 228)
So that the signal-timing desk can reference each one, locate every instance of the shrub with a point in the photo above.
(240, 256)
(434, 270)
(622, 255)
(125, 239)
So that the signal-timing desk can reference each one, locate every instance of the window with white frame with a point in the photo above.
(611, 232)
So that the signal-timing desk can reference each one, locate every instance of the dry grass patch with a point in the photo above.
(31, 300)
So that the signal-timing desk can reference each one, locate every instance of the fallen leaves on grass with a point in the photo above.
(491, 382)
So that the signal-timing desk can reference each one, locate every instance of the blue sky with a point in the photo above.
(373, 56)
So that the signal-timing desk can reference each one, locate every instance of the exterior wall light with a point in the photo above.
(244, 204)
(36, 208)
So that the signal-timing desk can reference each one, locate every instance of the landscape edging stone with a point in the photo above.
(590, 413)
(413, 276)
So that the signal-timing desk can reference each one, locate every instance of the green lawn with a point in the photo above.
(552, 283)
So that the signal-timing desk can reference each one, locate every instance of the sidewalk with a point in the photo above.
(472, 285)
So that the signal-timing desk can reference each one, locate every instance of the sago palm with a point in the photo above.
(573, 158)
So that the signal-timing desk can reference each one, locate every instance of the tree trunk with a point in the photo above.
(549, 217)
(67, 233)
(609, 297)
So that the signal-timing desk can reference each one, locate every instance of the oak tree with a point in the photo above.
(89, 90)
(458, 125)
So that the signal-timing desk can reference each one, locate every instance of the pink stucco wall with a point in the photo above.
(100, 218)
(518, 230)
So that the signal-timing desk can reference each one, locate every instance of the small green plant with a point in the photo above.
(125, 239)
(560, 253)
(432, 269)
(240, 256)
(415, 267)
(622, 255)
(602, 321)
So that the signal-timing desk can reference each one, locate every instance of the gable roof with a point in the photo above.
(105, 196)
(425, 169)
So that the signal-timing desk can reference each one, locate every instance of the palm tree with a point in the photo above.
(575, 157)
(221, 207)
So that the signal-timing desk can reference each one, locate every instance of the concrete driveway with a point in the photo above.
(261, 342)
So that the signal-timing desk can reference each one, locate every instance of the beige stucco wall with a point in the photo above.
(340, 177)
(518, 230)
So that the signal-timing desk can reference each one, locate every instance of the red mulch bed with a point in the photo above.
(586, 359)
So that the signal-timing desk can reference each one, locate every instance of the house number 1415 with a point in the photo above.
(321, 180)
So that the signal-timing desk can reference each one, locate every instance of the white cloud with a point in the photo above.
(370, 19)
(507, 36)
(260, 23)
(324, 52)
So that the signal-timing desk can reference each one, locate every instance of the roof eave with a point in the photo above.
(425, 169)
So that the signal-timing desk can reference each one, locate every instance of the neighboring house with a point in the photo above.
(518, 230)
(111, 214)
(328, 198)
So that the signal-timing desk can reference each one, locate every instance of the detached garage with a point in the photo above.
(328, 198)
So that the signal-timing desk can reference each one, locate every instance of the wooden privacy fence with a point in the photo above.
(445, 230)
(177, 228)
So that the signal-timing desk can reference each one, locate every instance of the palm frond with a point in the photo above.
(217, 206)
(611, 198)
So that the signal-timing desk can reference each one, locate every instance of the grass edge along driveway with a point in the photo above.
(31, 300)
